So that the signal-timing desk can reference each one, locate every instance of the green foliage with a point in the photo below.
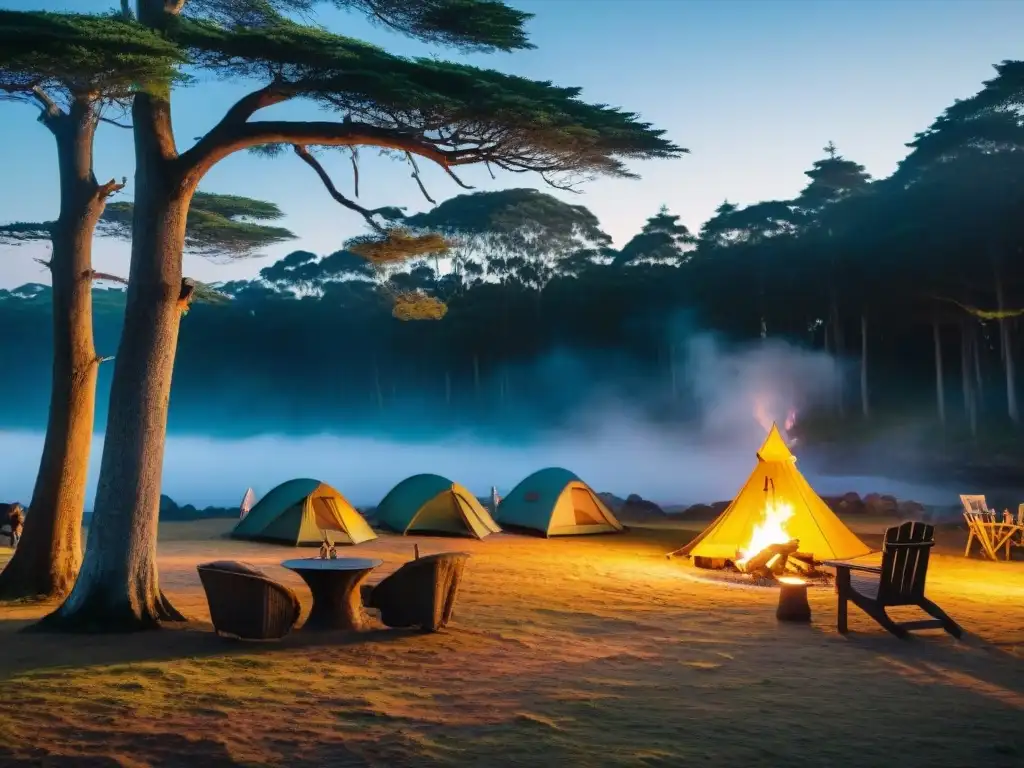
(217, 225)
(663, 240)
(100, 56)
(472, 25)
(485, 115)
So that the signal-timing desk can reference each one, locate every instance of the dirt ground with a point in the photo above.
(585, 651)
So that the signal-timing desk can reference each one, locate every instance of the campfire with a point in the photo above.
(771, 552)
(776, 526)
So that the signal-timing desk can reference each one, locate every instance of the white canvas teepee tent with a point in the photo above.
(248, 500)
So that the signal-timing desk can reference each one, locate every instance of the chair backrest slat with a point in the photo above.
(905, 556)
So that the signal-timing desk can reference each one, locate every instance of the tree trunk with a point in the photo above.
(965, 371)
(837, 340)
(118, 587)
(48, 557)
(940, 393)
(1006, 348)
(865, 406)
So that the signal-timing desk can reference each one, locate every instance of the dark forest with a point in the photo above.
(912, 282)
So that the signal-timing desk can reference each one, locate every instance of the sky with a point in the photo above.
(753, 88)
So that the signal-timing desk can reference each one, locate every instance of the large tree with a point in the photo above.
(446, 113)
(74, 87)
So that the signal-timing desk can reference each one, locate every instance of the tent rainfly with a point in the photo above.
(554, 502)
(775, 506)
(300, 512)
(434, 504)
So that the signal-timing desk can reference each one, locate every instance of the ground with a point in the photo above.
(586, 651)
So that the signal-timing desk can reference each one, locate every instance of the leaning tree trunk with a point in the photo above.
(118, 588)
(940, 392)
(46, 561)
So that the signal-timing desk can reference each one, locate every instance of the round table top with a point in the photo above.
(337, 564)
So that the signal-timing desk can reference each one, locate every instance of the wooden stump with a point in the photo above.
(793, 605)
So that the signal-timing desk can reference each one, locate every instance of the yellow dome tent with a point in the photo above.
(776, 484)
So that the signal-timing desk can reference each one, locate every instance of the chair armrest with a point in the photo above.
(852, 566)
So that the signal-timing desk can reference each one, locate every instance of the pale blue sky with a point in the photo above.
(754, 88)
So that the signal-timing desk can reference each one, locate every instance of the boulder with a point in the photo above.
(698, 512)
(637, 509)
(878, 505)
(912, 510)
(613, 502)
(847, 504)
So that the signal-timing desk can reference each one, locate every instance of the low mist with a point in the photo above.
(737, 393)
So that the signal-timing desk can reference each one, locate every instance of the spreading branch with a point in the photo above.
(985, 314)
(332, 190)
(227, 139)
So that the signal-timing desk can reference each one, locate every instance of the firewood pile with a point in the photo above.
(778, 560)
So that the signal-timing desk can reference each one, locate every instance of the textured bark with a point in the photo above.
(117, 588)
(48, 557)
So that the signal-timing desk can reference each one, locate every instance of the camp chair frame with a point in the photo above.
(899, 580)
(985, 527)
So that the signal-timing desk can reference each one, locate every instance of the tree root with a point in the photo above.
(98, 615)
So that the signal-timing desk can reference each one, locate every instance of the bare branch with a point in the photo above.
(455, 178)
(114, 122)
(355, 168)
(416, 175)
(44, 262)
(313, 163)
(490, 170)
(94, 275)
(111, 188)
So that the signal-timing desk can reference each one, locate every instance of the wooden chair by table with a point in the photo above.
(898, 581)
(421, 593)
(246, 603)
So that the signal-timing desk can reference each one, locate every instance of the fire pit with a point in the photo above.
(793, 605)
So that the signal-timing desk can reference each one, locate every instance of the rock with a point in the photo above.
(847, 504)
(636, 509)
(911, 510)
(613, 502)
(881, 506)
(698, 512)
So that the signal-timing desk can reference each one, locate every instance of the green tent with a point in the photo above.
(301, 512)
(554, 502)
(434, 504)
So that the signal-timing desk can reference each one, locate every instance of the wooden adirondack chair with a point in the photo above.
(899, 580)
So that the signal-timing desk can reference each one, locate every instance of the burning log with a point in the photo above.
(770, 559)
